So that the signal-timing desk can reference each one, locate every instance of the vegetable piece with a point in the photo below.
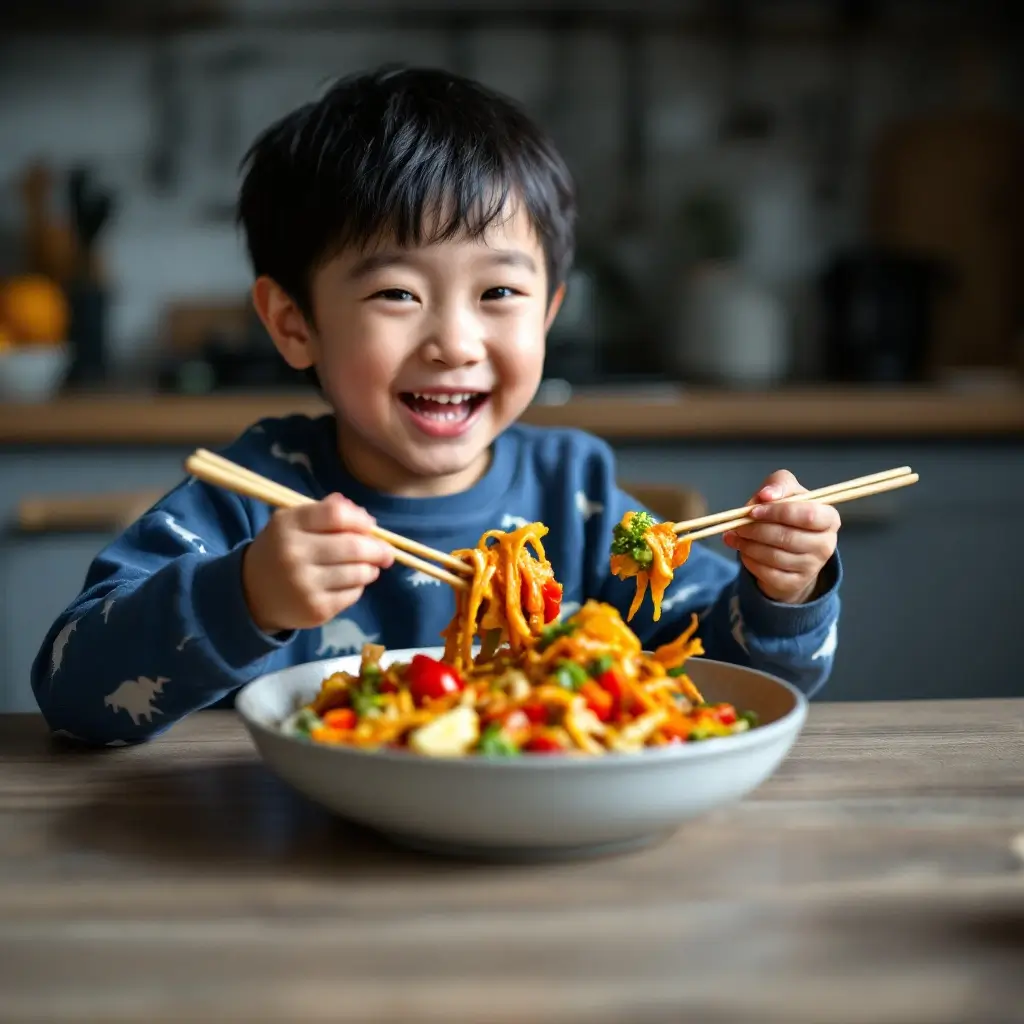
(554, 632)
(599, 666)
(569, 675)
(751, 718)
(544, 744)
(599, 700)
(496, 742)
(535, 712)
(727, 715)
(305, 721)
(552, 592)
(610, 683)
(364, 693)
(340, 718)
(628, 538)
(452, 734)
(430, 679)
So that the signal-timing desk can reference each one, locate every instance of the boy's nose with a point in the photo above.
(455, 341)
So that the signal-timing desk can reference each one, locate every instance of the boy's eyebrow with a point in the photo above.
(513, 258)
(382, 260)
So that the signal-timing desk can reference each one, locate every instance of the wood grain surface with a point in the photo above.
(815, 413)
(875, 878)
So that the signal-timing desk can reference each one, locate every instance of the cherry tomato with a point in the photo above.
(388, 686)
(429, 679)
(340, 718)
(535, 712)
(544, 745)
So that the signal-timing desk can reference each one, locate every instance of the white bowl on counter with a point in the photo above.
(531, 807)
(33, 373)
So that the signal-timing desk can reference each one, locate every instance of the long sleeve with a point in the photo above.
(738, 623)
(160, 628)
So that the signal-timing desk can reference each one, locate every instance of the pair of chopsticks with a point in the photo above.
(847, 490)
(215, 469)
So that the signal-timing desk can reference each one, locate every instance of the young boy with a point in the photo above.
(410, 234)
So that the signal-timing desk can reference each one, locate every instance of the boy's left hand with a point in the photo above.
(787, 549)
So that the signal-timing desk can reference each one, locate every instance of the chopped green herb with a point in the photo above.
(551, 633)
(363, 693)
(494, 743)
(751, 718)
(677, 671)
(305, 722)
(599, 666)
(630, 540)
(569, 675)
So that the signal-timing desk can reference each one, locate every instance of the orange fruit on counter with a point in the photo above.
(34, 309)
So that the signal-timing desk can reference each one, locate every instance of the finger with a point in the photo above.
(800, 515)
(352, 576)
(334, 514)
(350, 548)
(780, 484)
(778, 535)
(807, 565)
(777, 582)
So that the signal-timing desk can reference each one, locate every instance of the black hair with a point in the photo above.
(418, 155)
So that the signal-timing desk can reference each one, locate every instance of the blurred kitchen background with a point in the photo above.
(801, 244)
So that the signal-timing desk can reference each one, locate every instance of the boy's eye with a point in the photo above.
(394, 295)
(501, 292)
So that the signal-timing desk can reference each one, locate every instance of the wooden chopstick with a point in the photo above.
(822, 492)
(834, 498)
(215, 469)
(394, 539)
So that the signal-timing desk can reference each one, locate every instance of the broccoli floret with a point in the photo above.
(629, 540)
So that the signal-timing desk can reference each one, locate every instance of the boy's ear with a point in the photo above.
(284, 322)
(554, 306)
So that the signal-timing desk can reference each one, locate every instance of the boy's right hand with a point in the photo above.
(310, 563)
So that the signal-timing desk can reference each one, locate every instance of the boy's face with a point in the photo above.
(426, 354)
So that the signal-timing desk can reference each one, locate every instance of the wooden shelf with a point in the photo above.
(799, 414)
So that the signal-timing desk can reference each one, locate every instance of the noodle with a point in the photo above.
(512, 596)
(640, 540)
(583, 686)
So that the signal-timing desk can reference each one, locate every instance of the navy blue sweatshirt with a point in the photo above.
(161, 627)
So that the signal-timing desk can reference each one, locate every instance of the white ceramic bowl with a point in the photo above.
(529, 807)
(32, 373)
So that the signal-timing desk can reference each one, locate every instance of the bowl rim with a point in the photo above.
(718, 746)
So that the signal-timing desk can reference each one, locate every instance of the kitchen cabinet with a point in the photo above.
(934, 576)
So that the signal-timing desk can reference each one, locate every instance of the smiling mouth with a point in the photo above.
(444, 408)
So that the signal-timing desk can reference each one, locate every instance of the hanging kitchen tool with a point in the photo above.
(744, 119)
(91, 208)
(168, 118)
(226, 143)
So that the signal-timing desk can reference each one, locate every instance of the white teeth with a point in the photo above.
(457, 399)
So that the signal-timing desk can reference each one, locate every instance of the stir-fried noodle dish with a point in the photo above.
(535, 684)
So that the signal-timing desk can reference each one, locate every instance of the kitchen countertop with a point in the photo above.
(815, 413)
(877, 877)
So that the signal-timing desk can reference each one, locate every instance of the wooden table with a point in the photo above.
(877, 878)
